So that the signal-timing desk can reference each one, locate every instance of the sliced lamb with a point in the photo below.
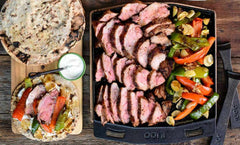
(128, 76)
(105, 39)
(166, 106)
(108, 15)
(133, 106)
(120, 64)
(157, 116)
(166, 29)
(166, 68)
(108, 68)
(36, 93)
(114, 96)
(130, 38)
(46, 107)
(141, 79)
(99, 107)
(106, 105)
(154, 24)
(155, 79)
(98, 27)
(123, 106)
(160, 39)
(156, 57)
(115, 38)
(146, 108)
(151, 12)
(142, 52)
(160, 92)
(100, 95)
(131, 9)
(99, 70)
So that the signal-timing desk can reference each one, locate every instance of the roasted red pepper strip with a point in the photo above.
(207, 81)
(196, 56)
(200, 61)
(189, 108)
(197, 26)
(193, 86)
(19, 111)
(200, 99)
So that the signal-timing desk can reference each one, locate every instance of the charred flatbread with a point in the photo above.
(39, 32)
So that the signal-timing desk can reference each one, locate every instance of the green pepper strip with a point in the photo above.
(200, 72)
(187, 20)
(192, 43)
(35, 125)
(28, 83)
(207, 106)
(168, 85)
(184, 104)
(61, 120)
(174, 48)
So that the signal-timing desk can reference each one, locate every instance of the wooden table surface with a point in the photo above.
(228, 29)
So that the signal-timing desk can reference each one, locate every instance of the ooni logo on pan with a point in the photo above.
(154, 135)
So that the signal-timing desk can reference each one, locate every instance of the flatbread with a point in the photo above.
(37, 32)
(72, 102)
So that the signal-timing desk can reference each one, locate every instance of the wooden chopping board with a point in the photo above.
(19, 71)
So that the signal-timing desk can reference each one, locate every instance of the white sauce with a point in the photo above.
(20, 93)
(73, 64)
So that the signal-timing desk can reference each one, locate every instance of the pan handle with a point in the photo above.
(225, 52)
(233, 80)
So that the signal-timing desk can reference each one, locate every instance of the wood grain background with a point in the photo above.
(228, 29)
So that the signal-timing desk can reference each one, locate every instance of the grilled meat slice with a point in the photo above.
(114, 97)
(156, 57)
(156, 23)
(115, 38)
(132, 33)
(160, 39)
(131, 9)
(108, 68)
(157, 116)
(141, 79)
(106, 105)
(166, 68)
(146, 107)
(100, 95)
(97, 26)
(151, 12)
(166, 106)
(99, 108)
(166, 29)
(160, 92)
(36, 93)
(120, 64)
(142, 52)
(123, 106)
(99, 70)
(108, 15)
(155, 79)
(128, 76)
(46, 107)
(105, 39)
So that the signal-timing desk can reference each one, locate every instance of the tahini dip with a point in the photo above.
(73, 64)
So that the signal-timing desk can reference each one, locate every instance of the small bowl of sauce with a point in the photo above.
(74, 66)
